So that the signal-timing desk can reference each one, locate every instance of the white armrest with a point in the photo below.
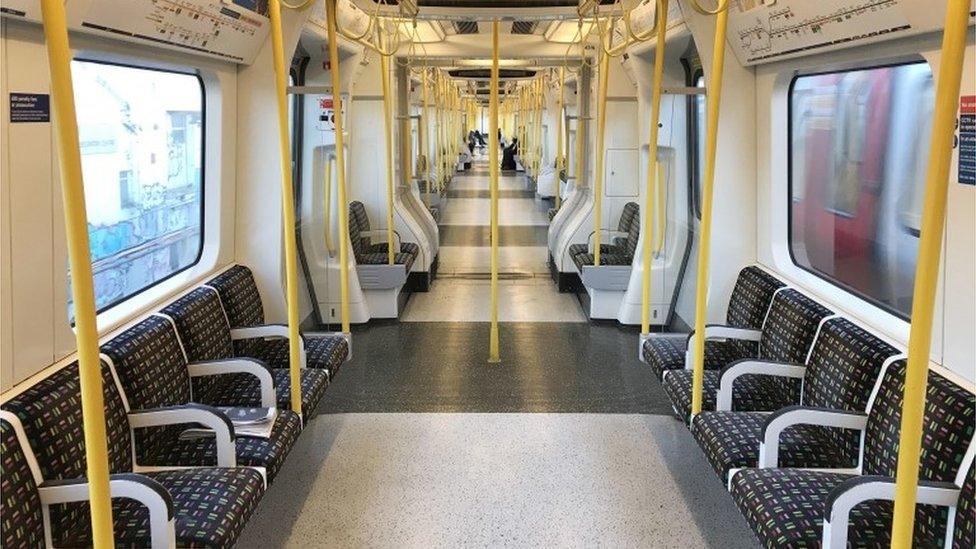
(279, 331)
(208, 416)
(239, 366)
(857, 490)
(738, 369)
(719, 331)
(148, 492)
(606, 233)
(787, 417)
(381, 233)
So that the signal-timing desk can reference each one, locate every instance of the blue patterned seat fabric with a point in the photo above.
(786, 507)
(153, 373)
(242, 303)
(748, 304)
(787, 335)
(844, 365)
(205, 333)
(211, 504)
(368, 253)
(622, 251)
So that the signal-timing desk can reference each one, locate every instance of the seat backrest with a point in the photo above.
(150, 363)
(948, 426)
(844, 366)
(632, 210)
(21, 516)
(964, 534)
(50, 413)
(751, 296)
(790, 327)
(202, 325)
(240, 297)
(358, 222)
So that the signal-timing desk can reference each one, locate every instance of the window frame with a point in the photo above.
(203, 179)
(789, 182)
(694, 156)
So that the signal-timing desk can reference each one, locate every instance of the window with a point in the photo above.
(858, 152)
(141, 135)
(698, 131)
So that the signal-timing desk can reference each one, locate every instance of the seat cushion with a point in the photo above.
(246, 390)
(251, 451)
(668, 353)
(785, 508)
(405, 248)
(324, 352)
(731, 440)
(577, 249)
(552, 213)
(382, 259)
(211, 507)
(21, 515)
(584, 259)
(755, 393)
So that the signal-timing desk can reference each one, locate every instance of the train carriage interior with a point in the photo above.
(487, 273)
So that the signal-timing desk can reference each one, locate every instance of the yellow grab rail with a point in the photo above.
(493, 351)
(712, 99)
(388, 135)
(330, 13)
(560, 154)
(927, 269)
(287, 207)
(79, 261)
(652, 174)
(598, 176)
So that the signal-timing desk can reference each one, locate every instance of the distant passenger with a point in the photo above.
(508, 155)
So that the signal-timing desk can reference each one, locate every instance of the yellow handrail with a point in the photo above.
(927, 269)
(423, 166)
(388, 134)
(713, 98)
(287, 207)
(652, 174)
(579, 132)
(343, 206)
(560, 156)
(79, 261)
(493, 350)
(598, 176)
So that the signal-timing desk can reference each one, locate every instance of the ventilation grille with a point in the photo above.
(466, 27)
(524, 27)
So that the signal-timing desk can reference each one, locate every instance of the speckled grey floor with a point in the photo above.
(496, 480)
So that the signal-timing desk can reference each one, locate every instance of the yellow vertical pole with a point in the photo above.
(79, 261)
(601, 128)
(580, 125)
(422, 136)
(493, 352)
(288, 207)
(388, 131)
(652, 171)
(713, 98)
(343, 207)
(540, 104)
(927, 269)
(560, 157)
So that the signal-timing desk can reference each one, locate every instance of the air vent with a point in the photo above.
(466, 27)
(485, 74)
(524, 27)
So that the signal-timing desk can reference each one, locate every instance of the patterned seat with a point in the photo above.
(842, 370)
(964, 525)
(368, 253)
(787, 335)
(152, 371)
(242, 302)
(622, 251)
(210, 504)
(552, 214)
(786, 507)
(205, 334)
(21, 514)
(748, 304)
